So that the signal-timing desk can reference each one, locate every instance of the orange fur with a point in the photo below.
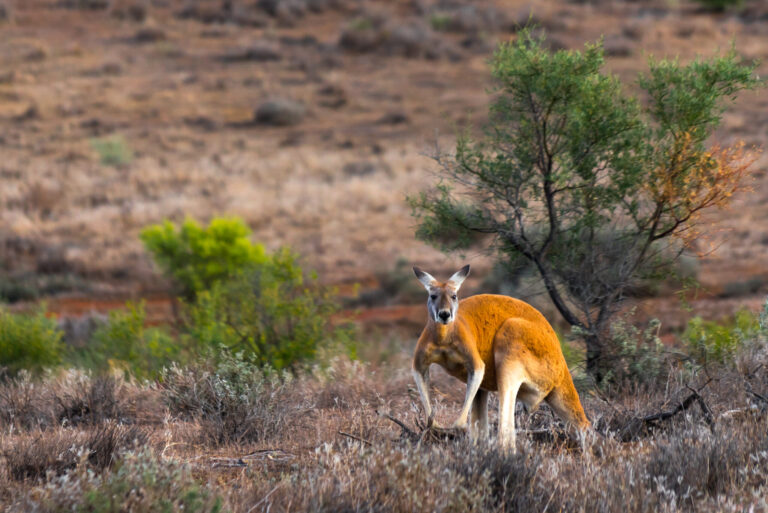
(509, 342)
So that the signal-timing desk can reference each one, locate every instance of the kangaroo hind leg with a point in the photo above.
(510, 376)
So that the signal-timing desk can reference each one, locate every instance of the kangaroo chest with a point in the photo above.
(449, 358)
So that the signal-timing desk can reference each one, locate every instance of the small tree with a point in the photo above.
(577, 178)
(274, 314)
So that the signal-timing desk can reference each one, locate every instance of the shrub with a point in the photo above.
(709, 341)
(440, 21)
(140, 481)
(720, 5)
(113, 151)
(196, 258)
(234, 400)
(89, 401)
(271, 314)
(23, 404)
(124, 343)
(31, 342)
(42, 452)
(634, 356)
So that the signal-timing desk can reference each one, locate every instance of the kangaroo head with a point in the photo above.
(443, 302)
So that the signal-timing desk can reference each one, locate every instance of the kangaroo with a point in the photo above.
(495, 344)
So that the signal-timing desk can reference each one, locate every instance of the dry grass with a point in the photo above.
(279, 447)
(69, 77)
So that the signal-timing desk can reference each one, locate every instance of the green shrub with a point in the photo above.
(440, 21)
(270, 313)
(31, 342)
(361, 24)
(140, 481)
(634, 356)
(113, 151)
(124, 343)
(720, 5)
(196, 258)
(640, 357)
(709, 341)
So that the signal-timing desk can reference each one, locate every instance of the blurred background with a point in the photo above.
(310, 120)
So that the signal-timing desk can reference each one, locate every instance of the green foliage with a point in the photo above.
(125, 343)
(140, 481)
(573, 356)
(636, 357)
(270, 313)
(113, 151)
(31, 342)
(720, 5)
(196, 258)
(361, 24)
(440, 21)
(712, 342)
(576, 177)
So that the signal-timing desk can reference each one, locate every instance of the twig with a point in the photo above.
(634, 426)
(228, 463)
(664, 415)
(708, 417)
(430, 433)
(406, 430)
(355, 437)
(278, 485)
(754, 394)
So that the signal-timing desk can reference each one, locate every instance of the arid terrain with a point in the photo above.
(115, 115)
(313, 121)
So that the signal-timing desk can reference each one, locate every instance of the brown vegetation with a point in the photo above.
(322, 445)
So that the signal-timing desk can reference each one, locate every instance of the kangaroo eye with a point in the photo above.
(433, 297)
(453, 296)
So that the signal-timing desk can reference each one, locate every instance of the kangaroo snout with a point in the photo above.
(444, 315)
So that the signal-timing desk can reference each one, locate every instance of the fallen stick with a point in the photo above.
(754, 394)
(430, 433)
(635, 425)
(406, 430)
(353, 437)
(228, 463)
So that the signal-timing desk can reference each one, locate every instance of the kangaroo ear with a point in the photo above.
(426, 279)
(459, 276)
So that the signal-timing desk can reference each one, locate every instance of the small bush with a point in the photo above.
(712, 342)
(196, 258)
(440, 21)
(31, 342)
(92, 401)
(271, 314)
(113, 151)
(720, 5)
(234, 401)
(23, 404)
(140, 481)
(634, 356)
(124, 343)
(37, 454)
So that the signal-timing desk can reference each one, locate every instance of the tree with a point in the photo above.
(579, 179)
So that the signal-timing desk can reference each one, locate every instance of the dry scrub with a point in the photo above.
(209, 438)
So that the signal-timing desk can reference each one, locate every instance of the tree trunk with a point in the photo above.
(594, 355)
